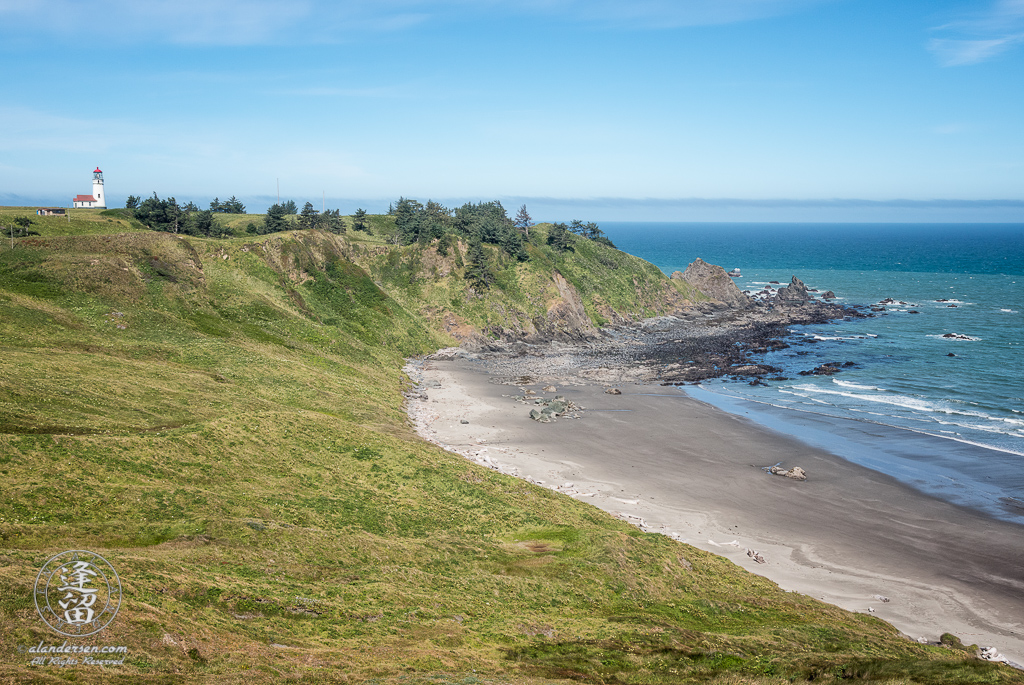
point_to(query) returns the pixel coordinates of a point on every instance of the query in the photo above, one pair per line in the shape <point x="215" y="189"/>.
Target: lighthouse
<point x="97" y="200"/>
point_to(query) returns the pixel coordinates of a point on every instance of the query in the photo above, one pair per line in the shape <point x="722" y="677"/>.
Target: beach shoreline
<point x="671" y="464"/>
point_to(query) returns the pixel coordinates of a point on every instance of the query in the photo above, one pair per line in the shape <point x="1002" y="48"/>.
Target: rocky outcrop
<point x="566" y="317"/>
<point x="714" y="282"/>
<point x="795" y="293"/>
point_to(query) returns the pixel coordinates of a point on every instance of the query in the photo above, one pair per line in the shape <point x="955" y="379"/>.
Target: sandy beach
<point x="651" y="455"/>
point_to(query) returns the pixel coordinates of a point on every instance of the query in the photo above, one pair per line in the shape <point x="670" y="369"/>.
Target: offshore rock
<point x="829" y="369"/>
<point x="794" y="293"/>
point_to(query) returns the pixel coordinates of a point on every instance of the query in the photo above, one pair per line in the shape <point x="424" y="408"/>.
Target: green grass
<point x="229" y="433"/>
<point x="613" y="286"/>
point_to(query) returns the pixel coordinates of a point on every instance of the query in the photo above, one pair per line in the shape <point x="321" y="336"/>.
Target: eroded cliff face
<point x="566" y="315"/>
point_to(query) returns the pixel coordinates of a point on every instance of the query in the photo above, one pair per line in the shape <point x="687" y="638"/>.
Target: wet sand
<point x="657" y="458"/>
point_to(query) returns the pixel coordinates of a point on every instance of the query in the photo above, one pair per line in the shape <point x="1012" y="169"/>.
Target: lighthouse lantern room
<point x="97" y="199"/>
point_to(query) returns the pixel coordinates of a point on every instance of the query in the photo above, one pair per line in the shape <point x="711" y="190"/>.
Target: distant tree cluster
<point x="484" y="222"/>
<point x="167" y="215"/>
<point x="278" y="219"/>
<point x="560" y="234"/>
<point x="230" y="206"/>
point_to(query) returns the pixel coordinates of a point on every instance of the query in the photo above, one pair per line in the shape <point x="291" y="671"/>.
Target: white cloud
<point x="953" y="53"/>
<point x="980" y="37"/>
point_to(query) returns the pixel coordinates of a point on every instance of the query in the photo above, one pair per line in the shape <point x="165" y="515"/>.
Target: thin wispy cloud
<point x="212" y="22"/>
<point x="980" y="37"/>
<point x="335" y="92"/>
<point x="655" y="14"/>
<point x="269" y="22"/>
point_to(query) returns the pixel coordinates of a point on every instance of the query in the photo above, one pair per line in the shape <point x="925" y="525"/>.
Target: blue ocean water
<point x="966" y="392"/>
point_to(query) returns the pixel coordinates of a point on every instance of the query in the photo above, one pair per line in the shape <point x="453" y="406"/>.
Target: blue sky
<point x="817" y="110"/>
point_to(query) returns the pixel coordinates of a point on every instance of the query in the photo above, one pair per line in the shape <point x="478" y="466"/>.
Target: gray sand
<point x="847" y="535"/>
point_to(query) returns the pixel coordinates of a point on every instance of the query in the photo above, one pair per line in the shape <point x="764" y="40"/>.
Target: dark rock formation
<point x="829" y="369"/>
<point x="714" y="282"/>
<point x="793" y="294"/>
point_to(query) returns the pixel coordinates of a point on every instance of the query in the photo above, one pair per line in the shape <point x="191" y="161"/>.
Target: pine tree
<point x="524" y="221"/>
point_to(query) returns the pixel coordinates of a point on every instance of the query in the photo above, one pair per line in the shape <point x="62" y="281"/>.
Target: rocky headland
<point x="723" y="336"/>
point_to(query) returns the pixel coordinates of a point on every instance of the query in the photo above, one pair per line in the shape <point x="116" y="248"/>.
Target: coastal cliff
<point x="223" y="420"/>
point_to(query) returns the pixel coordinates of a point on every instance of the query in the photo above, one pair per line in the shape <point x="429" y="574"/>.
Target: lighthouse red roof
<point x="97" y="171"/>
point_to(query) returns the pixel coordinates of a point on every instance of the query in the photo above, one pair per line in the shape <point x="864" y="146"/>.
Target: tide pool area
<point x="938" y="369"/>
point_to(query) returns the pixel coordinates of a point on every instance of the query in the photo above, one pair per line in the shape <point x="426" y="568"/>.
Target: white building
<point x="97" y="200"/>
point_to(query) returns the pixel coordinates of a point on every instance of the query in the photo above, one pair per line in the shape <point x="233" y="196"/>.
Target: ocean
<point x="934" y="396"/>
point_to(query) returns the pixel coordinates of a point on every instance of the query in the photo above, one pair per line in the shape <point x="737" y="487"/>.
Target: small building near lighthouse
<point x="98" y="198"/>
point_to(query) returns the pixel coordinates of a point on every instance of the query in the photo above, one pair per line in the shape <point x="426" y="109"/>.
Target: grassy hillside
<point x="222" y="420"/>
<point x="551" y="293"/>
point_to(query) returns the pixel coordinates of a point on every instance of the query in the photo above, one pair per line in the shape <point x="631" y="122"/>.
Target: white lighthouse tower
<point x="97" y="199"/>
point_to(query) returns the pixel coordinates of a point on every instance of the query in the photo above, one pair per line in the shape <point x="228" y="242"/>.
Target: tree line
<point x="560" y="234"/>
<point x="477" y="223"/>
<point x="230" y="206"/>
<point x="169" y="215"/>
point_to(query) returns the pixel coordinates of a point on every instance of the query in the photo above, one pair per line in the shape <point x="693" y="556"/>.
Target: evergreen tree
<point x="408" y="215"/>
<point x="308" y="217"/>
<point x="160" y="215"/>
<point x="234" y="206"/>
<point x="198" y="223"/>
<point x="289" y="207"/>
<point x="478" y="271"/>
<point x="359" y="221"/>
<point x="523" y="221"/>
<point x="434" y="219"/>
<point x="559" y="237"/>
<point x="132" y="202"/>
<point x="331" y="220"/>
<point x="274" y="220"/>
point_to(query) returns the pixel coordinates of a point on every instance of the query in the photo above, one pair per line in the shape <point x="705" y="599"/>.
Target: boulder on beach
<point x="612" y="391"/>
<point x="796" y="473"/>
<point x="546" y="411"/>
